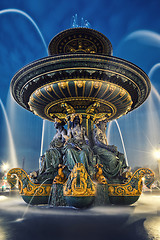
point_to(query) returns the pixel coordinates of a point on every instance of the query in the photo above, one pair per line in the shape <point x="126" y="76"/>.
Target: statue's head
<point x="76" y="119"/>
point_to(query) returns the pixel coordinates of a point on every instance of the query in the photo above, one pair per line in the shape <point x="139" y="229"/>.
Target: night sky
<point x="133" y="27"/>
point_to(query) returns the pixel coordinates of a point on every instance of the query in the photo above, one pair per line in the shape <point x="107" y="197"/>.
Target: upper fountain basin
<point x="113" y="85"/>
<point x="80" y="76"/>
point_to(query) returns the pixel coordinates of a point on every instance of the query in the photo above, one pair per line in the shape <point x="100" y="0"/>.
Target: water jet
<point x="13" y="158"/>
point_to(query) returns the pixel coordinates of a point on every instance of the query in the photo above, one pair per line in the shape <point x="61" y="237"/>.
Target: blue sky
<point x="133" y="28"/>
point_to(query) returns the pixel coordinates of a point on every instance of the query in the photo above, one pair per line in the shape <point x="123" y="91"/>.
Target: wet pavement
<point x="137" y="222"/>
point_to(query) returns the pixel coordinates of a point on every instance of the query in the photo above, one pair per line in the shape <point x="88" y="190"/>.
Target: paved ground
<point x="137" y="222"/>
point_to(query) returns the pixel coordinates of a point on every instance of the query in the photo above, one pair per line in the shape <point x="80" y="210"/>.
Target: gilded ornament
<point x="63" y="85"/>
<point x="133" y="187"/>
<point x="68" y="108"/>
<point x="49" y="88"/>
<point x="26" y="186"/>
<point x="99" y="174"/>
<point x="80" y="84"/>
<point x="96" y="84"/>
<point x="60" y="178"/>
<point x="92" y="108"/>
<point x="79" y="183"/>
<point x="61" y="115"/>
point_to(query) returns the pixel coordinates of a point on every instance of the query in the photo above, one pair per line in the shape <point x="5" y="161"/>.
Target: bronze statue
<point x="113" y="162"/>
<point x="52" y="158"/>
<point x="77" y="149"/>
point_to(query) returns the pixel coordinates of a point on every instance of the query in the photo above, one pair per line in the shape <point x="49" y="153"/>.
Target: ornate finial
<point x="68" y="108"/>
<point x="92" y="108"/>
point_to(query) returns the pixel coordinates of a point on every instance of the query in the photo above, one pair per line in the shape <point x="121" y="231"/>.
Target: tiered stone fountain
<point x="82" y="85"/>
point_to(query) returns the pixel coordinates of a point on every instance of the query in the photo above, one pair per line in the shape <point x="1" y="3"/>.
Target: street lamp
<point x="5" y="167"/>
<point x="157" y="154"/>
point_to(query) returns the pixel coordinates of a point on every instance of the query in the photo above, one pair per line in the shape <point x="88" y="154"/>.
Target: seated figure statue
<point x="77" y="149"/>
<point x="113" y="161"/>
<point x="52" y="157"/>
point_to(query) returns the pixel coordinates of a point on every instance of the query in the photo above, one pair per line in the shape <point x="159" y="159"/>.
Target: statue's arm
<point x="99" y="143"/>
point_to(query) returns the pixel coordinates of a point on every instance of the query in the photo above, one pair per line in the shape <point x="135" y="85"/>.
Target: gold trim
<point x="68" y="108"/>
<point x="59" y="85"/>
<point x="79" y="183"/>
<point x="108" y="85"/>
<point x="129" y="188"/>
<point x="100" y="69"/>
<point x="27" y="187"/>
<point x="100" y="85"/>
<point x="50" y="105"/>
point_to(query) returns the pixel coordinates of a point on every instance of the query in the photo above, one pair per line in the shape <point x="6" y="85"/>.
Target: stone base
<point x="101" y="198"/>
<point x="56" y="197"/>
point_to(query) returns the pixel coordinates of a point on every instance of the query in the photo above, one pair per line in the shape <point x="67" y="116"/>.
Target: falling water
<point x="12" y="148"/>
<point x="156" y="92"/>
<point x="150" y="74"/>
<point x="153" y="115"/>
<point x="155" y="67"/>
<point x="148" y="37"/>
<point x="13" y="10"/>
<point x="120" y="133"/>
<point x="42" y="141"/>
<point x="20" y="219"/>
<point x="109" y="132"/>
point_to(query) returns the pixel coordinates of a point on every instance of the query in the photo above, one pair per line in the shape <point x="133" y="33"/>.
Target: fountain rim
<point x="52" y="57"/>
<point x="47" y="60"/>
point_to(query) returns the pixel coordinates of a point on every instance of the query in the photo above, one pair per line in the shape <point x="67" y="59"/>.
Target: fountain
<point x="81" y="85"/>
